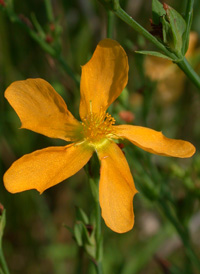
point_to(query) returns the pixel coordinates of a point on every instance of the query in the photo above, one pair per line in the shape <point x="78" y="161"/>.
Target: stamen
<point x="97" y="126"/>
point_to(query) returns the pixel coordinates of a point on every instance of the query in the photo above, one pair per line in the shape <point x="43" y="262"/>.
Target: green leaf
<point x="69" y="228"/>
<point x="81" y="216"/>
<point x="157" y="11"/>
<point x="94" y="188"/>
<point x="99" y="255"/>
<point x="2" y="223"/>
<point x="82" y="236"/>
<point x="78" y="231"/>
<point x="173" y="25"/>
<point x="178" y="27"/>
<point x="154" y="53"/>
<point x="167" y="34"/>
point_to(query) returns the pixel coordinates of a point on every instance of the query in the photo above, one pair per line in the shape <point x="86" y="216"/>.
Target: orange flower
<point x="42" y="110"/>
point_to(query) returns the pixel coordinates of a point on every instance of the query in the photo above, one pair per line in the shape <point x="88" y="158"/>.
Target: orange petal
<point x="41" y="109"/>
<point x="46" y="167"/>
<point x="155" y="142"/>
<point x="103" y="77"/>
<point x="116" y="189"/>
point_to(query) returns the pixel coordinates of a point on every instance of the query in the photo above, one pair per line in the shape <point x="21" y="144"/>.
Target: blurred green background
<point x="36" y="240"/>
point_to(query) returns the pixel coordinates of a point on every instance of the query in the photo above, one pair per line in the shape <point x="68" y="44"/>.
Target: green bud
<point x="85" y="237"/>
<point x="172" y="23"/>
<point x="176" y="28"/>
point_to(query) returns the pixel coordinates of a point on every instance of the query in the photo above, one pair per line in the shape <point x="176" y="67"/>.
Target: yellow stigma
<point x="97" y="127"/>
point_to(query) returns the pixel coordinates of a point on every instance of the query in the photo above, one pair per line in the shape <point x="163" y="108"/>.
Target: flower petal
<point x="103" y="77"/>
<point x="46" y="167"/>
<point x="41" y="109"/>
<point x="116" y="189"/>
<point x="155" y="142"/>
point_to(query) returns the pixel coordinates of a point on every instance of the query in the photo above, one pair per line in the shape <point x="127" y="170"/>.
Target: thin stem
<point x="69" y="71"/>
<point x="98" y="263"/>
<point x="183" y="64"/>
<point x="188" y="20"/>
<point x="44" y="45"/>
<point x="94" y="186"/>
<point x="192" y="75"/>
<point x="3" y="261"/>
<point x="137" y="27"/>
<point x="49" y="10"/>
<point x="182" y="232"/>
<point x="110" y="24"/>
<point x="162" y="199"/>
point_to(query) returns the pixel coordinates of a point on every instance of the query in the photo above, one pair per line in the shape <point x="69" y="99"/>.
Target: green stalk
<point x="94" y="186"/>
<point x="49" y="10"/>
<point x="98" y="263"/>
<point x="110" y="24"/>
<point x="164" y="200"/>
<point x="3" y="264"/>
<point x="43" y="44"/>
<point x="183" y="64"/>
<point x="182" y="233"/>
<point x="188" y="70"/>
<point x="137" y="27"/>
<point x="188" y="20"/>
<point x="69" y="71"/>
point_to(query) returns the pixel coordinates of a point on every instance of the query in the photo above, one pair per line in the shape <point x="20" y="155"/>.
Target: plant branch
<point x="42" y="43"/>
<point x="49" y="10"/>
<point x="98" y="263"/>
<point x="114" y="6"/>
<point x="137" y="27"/>
<point x="110" y="24"/>
<point x="181" y="231"/>
<point x="188" y="70"/>
<point x="3" y="264"/>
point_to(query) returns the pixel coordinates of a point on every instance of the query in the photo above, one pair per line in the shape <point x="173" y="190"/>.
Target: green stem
<point x="137" y="27"/>
<point x="192" y="75"/>
<point x="183" y="64"/>
<point x="49" y="10"/>
<point x="110" y="24"/>
<point x="69" y="71"/>
<point x="98" y="263"/>
<point x="94" y="186"/>
<point x="162" y="199"/>
<point x="3" y="264"/>
<point x="182" y="232"/>
<point x="188" y="20"/>
<point x="43" y="44"/>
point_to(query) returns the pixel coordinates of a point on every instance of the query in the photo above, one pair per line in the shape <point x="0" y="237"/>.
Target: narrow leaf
<point x="157" y="11"/>
<point x="178" y="27"/>
<point x="154" y="53"/>
<point x="81" y="216"/>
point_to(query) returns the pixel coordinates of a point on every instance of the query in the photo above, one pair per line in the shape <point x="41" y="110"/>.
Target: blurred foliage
<point x="36" y="239"/>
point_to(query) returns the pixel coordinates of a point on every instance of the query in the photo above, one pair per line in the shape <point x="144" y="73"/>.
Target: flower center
<point x="97" y="127"/>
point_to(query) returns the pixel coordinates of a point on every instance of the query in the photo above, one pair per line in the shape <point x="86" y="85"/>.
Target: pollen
<point x="97" y="127"/>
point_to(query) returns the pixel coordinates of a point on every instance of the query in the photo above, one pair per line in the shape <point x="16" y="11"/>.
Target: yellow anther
<point x="97" y="126"/>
